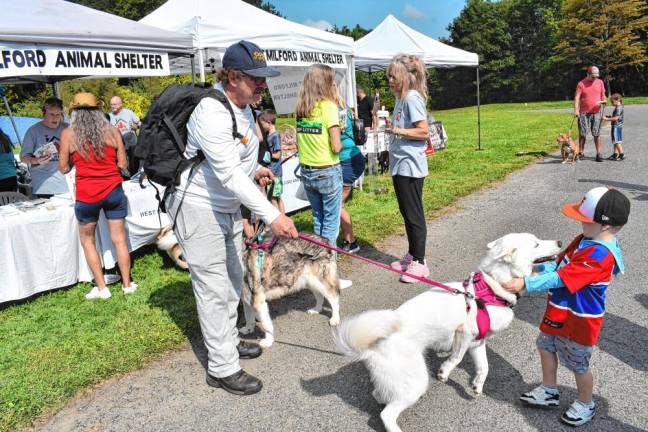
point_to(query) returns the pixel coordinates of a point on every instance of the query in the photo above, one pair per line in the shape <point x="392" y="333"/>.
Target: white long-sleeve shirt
<point x="224" y="180"/>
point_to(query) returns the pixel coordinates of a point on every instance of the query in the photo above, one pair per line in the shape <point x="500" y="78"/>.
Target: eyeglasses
<point x="257" y="80"/>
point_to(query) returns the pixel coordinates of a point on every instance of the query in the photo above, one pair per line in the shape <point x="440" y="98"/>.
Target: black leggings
<point x="9" y="184"/>
<point x="409" y="193"/>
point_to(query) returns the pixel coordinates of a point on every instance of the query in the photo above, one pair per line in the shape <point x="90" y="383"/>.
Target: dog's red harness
<point x="484" y="296"/>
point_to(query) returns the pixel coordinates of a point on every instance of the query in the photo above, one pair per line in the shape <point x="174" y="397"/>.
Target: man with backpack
<point x="205" y="206"/>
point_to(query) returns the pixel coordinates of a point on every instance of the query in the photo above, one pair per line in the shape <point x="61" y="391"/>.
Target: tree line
<point x="529" y="50"/>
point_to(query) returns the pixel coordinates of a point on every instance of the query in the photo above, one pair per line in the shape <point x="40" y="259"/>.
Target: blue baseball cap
<point x="248" y="58"/>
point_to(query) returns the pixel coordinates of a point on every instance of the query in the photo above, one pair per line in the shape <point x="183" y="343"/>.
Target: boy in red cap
<point x="576" y="282"/>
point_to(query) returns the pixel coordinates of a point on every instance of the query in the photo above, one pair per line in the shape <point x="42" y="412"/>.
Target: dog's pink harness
<point x="484" y="296"/>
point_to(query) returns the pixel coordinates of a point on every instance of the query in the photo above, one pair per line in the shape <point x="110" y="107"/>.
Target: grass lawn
<point x="58" y="343"/>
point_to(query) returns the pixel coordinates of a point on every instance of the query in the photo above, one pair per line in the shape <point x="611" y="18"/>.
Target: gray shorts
<point x="572" y="355"/>
<point x="590" y="121"/>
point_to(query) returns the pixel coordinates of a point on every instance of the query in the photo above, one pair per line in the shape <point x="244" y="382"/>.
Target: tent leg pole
<point x="478" y="114"/>
<point x="13" y="122"/>
<point x="193" y="69"/>
<point x="55" y="88"/>
<point x="201" y="60"/>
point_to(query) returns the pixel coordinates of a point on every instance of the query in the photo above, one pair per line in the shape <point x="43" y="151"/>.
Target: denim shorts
<point x="352" y="169"/>
<point x="617" y="134"/>
<point x="115" y="206"/>
<point x="572" y="355"/>
<point x="590" y="121"/>
<point x="324" y="191"/>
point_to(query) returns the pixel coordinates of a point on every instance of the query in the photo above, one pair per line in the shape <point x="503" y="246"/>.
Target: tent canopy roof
<point x="391" y="37"/>
<point x="61" y="23"/>
<point x="219" y="24"/>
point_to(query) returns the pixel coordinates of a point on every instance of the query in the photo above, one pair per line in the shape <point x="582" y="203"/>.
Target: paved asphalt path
<point x="308" y="387"/>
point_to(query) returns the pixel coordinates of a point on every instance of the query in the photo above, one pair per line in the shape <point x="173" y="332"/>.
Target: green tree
<point x="532" y="25"/>
<point x="608" y="34"/>
<point x="356" y="32"/>
<point x="481" y="28"/>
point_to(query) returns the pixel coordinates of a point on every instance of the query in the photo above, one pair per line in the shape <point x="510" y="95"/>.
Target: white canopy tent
<point x="375" y="51"/>
<point x="289" y="46"/>
<point x="51" y="40"/>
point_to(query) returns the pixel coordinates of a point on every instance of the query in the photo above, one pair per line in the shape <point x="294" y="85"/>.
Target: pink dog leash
<point x="386" y="267"/>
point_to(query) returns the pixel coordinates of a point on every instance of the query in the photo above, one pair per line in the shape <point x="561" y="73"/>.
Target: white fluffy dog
<point x="392" y="342"/>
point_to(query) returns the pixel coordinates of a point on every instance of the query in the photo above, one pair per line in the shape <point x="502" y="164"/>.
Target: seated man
<point x="127" y="122"/>
<point x="40" y="151"/>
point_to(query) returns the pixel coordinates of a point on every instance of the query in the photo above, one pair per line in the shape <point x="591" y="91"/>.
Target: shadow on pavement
<point x="638" y="192"/>
<point x="351" y="383"/>
<point x="643" y="299"/>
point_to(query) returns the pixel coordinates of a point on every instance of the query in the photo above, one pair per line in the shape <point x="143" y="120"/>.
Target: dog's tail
<point x="359" y="334"/>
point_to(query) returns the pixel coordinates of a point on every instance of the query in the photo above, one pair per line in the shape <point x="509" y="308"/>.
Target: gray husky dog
<point x="291" y="265"/>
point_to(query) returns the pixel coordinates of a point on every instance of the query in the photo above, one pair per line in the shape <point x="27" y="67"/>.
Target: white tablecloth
<point x="40" y="249"/>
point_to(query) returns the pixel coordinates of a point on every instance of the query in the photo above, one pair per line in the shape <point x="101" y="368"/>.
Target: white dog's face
<point x="513" y="255"/>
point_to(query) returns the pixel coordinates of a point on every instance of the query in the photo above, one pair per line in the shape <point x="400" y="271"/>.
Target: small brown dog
<point x="568" y="148"/>
<point x="167" y="241"/>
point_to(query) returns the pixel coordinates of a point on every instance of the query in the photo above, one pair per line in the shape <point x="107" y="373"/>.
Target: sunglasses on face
<point x="257" y="80"/>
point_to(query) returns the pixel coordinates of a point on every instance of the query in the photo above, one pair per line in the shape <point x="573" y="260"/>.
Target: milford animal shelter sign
<point x="18" y="60"/>
<point x="281" y="57"/>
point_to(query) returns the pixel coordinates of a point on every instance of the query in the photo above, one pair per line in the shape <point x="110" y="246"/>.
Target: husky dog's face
<point x="514" y="254"/>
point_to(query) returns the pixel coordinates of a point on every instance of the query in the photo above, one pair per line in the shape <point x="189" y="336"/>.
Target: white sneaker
<point x="579" y="413"/>
<point x="131" y="289"/>
<point x="539" y="396"/>
<point x="345" y="283"/>
<point x="96" y="293"/>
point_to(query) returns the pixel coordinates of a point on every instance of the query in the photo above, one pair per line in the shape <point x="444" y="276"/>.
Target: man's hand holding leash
<point x="264" y="176"/>
<point x="283" y="226"/>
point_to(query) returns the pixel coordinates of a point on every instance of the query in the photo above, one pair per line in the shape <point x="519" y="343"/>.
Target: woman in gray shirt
<point x="407" y="159"/>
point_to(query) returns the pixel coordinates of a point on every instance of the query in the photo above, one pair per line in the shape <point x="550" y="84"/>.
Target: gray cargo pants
<point x="212" y="246"/>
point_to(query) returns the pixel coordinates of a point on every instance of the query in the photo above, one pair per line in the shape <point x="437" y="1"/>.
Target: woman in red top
<point x="97" y="151"/>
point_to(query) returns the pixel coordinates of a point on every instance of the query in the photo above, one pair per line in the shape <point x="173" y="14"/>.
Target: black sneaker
<point x="614" y="156"/>
<point x="240" y="383"/>
<point x="621" y="157"/>
<point x="599" y="158"/>
<point x="248" y="350"/>
<point x="350" y="247"/>
<point x="541" y="398"/>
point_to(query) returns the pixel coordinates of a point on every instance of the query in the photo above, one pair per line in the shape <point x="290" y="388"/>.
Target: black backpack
<point x="163" y="136"/>
<point x="359" y="132"/>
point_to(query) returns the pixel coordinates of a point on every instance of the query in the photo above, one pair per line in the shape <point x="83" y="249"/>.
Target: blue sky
<point x="429" y="17"/>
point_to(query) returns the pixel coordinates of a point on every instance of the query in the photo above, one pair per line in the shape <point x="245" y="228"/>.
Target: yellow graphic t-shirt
<point x="313" y="135"/>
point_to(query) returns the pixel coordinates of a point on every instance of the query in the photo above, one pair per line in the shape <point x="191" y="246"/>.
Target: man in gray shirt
<point x="40" y="151"/>
<point x="127" y="122"/>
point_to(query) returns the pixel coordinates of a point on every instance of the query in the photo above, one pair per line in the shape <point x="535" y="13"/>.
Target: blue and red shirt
<point x="576" y="310"/>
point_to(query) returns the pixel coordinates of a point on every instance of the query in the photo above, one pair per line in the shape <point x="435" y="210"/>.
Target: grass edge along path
<point x="57" y="344"/>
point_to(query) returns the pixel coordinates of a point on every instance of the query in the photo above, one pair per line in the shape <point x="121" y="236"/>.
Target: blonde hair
<point x="91" y="129"/>
<point x="409" y="73"/>
<point x="318" y="84"/>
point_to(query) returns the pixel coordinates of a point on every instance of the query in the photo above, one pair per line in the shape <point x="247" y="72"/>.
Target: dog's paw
<point x="266" y="342"/>
<point x="334" y="321"/>
<point x="442" y="375"/>
<point x="314" y="311"/>
<point x="477" y="386"/>
<point x="246" y="330"/>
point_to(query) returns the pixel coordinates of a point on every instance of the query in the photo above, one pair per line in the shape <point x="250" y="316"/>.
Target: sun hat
<point x="593" y="70"/>
<point x="602" y="205"/>
<point x="248" y="58"/>
<point x="85" y="100"/>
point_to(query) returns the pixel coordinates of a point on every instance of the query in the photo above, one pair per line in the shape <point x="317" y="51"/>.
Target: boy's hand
<point x="515" y="285"/>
